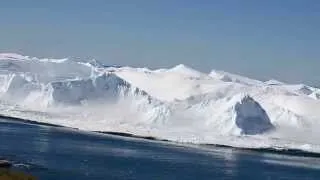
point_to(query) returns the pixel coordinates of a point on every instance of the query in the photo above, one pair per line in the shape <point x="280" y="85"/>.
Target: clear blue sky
<point x="258" y="38"/>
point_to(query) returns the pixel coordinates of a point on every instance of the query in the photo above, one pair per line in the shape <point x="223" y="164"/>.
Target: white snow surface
<point x="178" y="104"/>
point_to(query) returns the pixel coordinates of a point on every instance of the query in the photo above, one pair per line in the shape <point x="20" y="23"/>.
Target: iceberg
<point x="178" y="104"/>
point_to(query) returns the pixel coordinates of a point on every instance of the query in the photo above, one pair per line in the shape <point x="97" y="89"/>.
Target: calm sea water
<point x="57" y="153"/>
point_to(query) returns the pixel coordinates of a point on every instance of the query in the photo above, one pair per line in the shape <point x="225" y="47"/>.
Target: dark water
<point x="56" y="153"/>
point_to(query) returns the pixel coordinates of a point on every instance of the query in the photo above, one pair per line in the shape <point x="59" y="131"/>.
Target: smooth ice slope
<point x="178" y="104"/>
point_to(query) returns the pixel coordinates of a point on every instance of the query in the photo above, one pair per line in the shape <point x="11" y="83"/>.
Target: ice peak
<point x="181" y="66"/>
<point x="183" y="69"/>
<point x="246" y="99"/>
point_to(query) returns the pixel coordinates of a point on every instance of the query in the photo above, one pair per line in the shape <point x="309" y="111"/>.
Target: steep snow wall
<point x="106" y="88"/>
<point x="250" y="117"/>
<point x="16" y="86"/>
<point x="26" y="80"/>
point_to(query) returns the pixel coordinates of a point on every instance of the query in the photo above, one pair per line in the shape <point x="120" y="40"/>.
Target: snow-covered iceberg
<point x="178" y="104"/>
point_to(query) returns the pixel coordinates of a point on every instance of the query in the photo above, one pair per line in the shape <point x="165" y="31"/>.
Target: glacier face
<point x="178" y="104"/>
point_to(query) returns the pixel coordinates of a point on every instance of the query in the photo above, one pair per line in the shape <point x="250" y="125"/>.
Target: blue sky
<point x="256" y="38"/>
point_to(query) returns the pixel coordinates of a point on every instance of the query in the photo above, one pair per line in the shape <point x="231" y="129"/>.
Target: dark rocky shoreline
<point x="7" y="173"/>
<point x="5" y="164"/>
